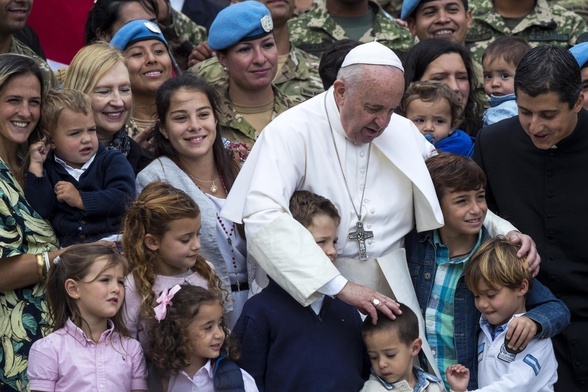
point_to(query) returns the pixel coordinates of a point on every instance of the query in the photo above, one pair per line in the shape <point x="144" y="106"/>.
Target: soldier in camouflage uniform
<point x="392" y="7"/>
<point x="298" y="77"/>
<point x="182" y="35"/>
<point x="315" y="30"/>
<point x="233" y="126"/>
<point x="580" y="7"/>
<point x="544" y="25"/>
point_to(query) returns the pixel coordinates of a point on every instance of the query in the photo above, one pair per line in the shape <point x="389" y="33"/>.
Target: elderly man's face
<point x="365" y="107"/>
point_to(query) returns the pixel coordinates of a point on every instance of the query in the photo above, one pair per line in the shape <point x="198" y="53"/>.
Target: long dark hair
<point x="105" y="13"/>
<point x="225" y="164"/>
<point x="417" y="61"/>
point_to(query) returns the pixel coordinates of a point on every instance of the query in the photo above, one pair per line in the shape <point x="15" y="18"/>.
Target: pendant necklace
<point x="213" y="188"/>
<point x="359" y="235"/>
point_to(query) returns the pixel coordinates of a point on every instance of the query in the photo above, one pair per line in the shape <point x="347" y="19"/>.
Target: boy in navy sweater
<point x="72" y="180"/>
<point x="288" y="347"/>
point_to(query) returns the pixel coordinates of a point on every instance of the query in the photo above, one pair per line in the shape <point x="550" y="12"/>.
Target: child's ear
<point x="524" y="287"/>
<point x="416" y="347"/>
<point x="151" y="242"/>
<point x="72" y="289"/>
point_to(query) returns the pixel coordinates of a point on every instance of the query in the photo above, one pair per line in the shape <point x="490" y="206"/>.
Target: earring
<point x="224" y="68"/>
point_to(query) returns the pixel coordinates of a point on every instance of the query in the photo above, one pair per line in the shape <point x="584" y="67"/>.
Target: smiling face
<point x="441" y="19"/>
<point x="100" y="294"/>
<point x="190" y="125"/>
<point x="463" y="212"/>
<point x="177" y="249"/>
<point x="20" y="109"/>
<point x="450" y="70"/>
<point x="251" y="64"/>
<point x="392" y="360"/>
<point x="149" y="66"/>
<point x="431" y="118"/>
<point x="206" y="334"/>
<point x="132" y="10"/>
<point x="499" y="305"/>
<point x="546" y="119"/>
<point x="366" y="105"/>
<point x="14" y="15"/>
<point x="112" y="101"/>
<point x="498" y="76"/>
<point x="74" y="139"/>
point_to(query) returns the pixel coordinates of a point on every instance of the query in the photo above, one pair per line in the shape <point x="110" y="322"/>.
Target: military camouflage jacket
<point x="298" y="79"/>
<point x="49" y="80"/>
<point x="315" y="30"/>
<point x="545" y="25"/>
<point x="580" y="7"/>
<point x="233" y="125"/>
<point x="182" y="36"/>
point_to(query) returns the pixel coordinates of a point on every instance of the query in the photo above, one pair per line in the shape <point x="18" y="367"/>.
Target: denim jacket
<point x="543" y="307"/>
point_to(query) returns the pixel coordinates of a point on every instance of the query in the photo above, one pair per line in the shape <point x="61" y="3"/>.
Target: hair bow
<point x="165" y="299"/>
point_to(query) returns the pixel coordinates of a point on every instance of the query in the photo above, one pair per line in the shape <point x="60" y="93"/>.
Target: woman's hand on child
<point x="369" y="301"/>
<point x="67" y="192"/>
<point x="528" y="249"/>
<point x="520" y="332"/>
<point x="458" y="377"/>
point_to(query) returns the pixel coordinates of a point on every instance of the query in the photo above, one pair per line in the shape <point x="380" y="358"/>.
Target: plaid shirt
<point x="439" y="326"/>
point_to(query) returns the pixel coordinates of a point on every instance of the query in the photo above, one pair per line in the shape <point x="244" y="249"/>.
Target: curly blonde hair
<point x="156" y="207"/>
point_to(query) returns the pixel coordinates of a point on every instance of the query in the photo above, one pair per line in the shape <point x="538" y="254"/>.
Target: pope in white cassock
<point x="347" y="145"/>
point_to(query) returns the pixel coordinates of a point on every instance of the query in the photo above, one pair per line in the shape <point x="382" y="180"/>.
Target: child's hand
<point x="37" y="156"/>
<point x="458" y="377"/>
<point x="66" y="192"/>
<point x="520" y="332"/>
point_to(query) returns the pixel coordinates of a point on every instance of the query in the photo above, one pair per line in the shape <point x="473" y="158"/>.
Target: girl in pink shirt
<point x="188" y="345"/>
<point x="89" y="348"/>
<point x="161" y="239"/>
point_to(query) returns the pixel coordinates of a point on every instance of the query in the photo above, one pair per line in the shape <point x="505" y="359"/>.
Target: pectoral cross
<point x="360" y="235"/>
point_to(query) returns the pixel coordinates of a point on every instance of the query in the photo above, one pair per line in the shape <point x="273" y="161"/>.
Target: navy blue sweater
<point x="106" y="189"/>
<point x="287" y="347"/>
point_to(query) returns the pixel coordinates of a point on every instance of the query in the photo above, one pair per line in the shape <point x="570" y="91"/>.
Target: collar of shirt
<point x="75" y="173"/>
<point x="443" y="251"/>
<point x="494" y="331"/>
<point x="78" y="334"/>
<point x="423" y="379"/>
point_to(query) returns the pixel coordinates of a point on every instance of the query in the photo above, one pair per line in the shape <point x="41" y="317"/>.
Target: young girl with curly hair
<point x="161" y="239"/>
<point x="188" y="347"/>
<point x="89" y="348"/>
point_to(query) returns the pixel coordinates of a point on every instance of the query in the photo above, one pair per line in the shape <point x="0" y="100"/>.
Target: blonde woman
<point x="100" y="71"/>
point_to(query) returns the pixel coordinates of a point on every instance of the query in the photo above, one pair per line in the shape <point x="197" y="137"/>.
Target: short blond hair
<point x="496" y="264"/>
<point x="90" y="64"/>
<point x="58" y="99"/>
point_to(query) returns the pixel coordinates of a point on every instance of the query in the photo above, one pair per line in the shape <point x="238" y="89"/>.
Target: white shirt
<point x="533" y="370"/>
<point x="203" y="382"/>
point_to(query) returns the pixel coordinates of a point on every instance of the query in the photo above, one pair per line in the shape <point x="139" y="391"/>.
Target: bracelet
<point x="47" y="263"/>
<point x="40" y="266"/>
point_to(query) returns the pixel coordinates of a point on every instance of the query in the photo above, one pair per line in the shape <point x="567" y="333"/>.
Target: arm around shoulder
<point x="548" y="311"/>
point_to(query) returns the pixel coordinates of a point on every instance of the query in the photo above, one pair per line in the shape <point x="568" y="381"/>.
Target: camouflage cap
<point x="238" y="22"/>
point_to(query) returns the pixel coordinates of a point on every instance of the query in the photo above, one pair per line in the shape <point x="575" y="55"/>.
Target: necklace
<point x="359" y="235"/>
<point x="213" y="187"/>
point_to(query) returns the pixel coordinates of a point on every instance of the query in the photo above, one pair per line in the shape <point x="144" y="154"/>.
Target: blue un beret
<point x="135" y="31"/>
<point x="580" y="52"/>
<point x="409" y="6"/>
<point x="238" y="22"/>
